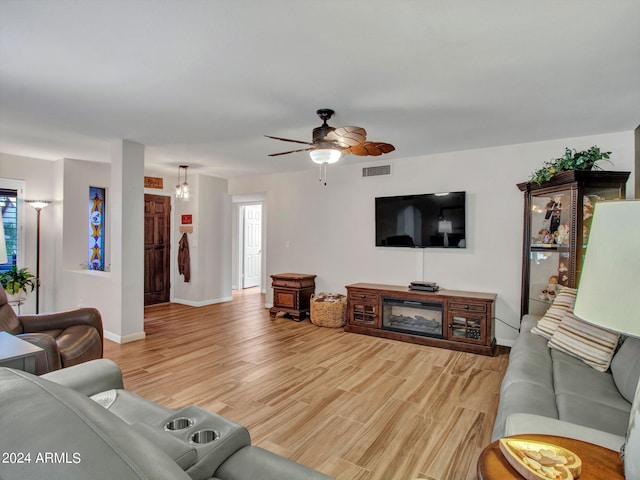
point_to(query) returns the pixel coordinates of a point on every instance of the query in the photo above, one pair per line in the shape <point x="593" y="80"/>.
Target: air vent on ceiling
<point x="375" y="171"/>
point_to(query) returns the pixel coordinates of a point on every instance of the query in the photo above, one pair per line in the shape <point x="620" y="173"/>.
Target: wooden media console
<point x="447" y="318"/>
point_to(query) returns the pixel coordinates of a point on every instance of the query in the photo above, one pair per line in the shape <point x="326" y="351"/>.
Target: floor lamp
<point x="38" y="205"/>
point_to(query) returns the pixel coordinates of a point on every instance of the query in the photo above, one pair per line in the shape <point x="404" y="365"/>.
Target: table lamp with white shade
<point x="609" y="292"/>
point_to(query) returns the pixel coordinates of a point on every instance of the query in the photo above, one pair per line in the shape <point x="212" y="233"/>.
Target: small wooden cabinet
<point x="467" y="322"/>
<point x="465" y="319"/>
<point x="363" y="308"/>
<point x="292" y="294"/>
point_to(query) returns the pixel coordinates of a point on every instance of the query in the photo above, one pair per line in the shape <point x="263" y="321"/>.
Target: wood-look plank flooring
<point x="352" y="406"/>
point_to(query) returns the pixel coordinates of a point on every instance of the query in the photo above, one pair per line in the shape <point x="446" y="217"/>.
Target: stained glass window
<point x="9" y="210"/>
<point x="97" y="202"/>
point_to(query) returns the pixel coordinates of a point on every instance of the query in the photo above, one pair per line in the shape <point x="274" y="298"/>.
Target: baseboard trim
<point x="133" y="337"/>
<point x="505" y="342"/>
<point x="202" y="303"/>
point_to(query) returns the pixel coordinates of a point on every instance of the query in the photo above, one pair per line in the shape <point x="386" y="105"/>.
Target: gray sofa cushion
<point x="591" y="413"/>
<point x="625" y="368"/>
<point x="529" y="362"/>
<point x="572" y="376"/>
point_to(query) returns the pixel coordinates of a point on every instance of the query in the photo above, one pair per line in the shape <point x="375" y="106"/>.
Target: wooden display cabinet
<point x="465" y="319"/>
<point x="557" y="220"/>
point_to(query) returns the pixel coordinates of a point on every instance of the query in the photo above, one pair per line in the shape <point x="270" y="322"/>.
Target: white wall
<point x="329" y="231"/>
<point x="77" y="286"/>
<point x="78" y="176"/>
<point x="209" y="244"/>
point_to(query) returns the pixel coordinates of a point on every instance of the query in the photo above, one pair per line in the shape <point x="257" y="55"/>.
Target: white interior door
<point x="252" y="219"/>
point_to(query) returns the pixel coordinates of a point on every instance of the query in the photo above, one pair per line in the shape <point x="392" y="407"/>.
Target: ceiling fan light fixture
<point x="325" y="156"/>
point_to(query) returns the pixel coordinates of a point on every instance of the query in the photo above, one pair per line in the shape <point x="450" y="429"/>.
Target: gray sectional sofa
<point x="547" y="391"/>
<point x="79" y="423"/>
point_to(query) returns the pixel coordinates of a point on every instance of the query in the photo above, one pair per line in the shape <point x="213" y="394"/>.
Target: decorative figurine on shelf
<point x="563" y="235"/>
<point x="563" y="273"/>
<point x="544" y="236"/>
<point x="549" y="294"/>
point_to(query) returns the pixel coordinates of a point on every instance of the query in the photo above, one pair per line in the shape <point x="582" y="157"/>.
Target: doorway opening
<point x="157" y="249"/>
<point x="251" y="245"/>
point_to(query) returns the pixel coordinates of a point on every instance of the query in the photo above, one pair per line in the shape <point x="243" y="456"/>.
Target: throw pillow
<point x="593" y="345"/>
<point x="562" y="305"/>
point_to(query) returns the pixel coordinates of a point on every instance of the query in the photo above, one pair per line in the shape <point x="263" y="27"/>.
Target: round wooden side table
<point x="597" y="462"/>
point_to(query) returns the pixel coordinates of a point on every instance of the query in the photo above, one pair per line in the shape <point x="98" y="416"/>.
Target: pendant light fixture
<point x="183" y="190"/>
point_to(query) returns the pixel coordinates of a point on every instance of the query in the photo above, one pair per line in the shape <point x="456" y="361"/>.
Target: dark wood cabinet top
<point x="442" y="293"/>
<point x="292" y="276"/>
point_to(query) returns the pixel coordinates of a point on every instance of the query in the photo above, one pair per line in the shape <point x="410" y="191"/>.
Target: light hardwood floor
<point x="349" y="405"/>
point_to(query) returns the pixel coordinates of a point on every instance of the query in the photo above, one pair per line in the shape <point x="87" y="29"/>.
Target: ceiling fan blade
<point x="289" y="140"/>
<point x="291" y="151"/>
<point x="372" y="148"/>
<point x="347" y="136"/>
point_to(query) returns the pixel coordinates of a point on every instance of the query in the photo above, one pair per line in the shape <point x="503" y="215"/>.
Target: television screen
<point x="421" y="221"/>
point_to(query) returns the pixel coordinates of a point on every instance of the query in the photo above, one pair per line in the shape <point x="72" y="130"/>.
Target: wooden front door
<point x="157" y="248"/>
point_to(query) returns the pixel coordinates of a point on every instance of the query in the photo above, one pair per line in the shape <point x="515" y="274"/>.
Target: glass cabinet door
<point x="551" y="226"/>
<point x="591" y="196"/>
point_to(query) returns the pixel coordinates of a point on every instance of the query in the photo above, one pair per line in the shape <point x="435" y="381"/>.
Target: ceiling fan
<point x="330" y="143"/>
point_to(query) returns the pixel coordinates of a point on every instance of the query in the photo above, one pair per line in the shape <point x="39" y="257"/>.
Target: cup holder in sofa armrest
<point x="184" y="454"/>
<point x="213" y="437"/>
<point x="179" y="423"/>
<point x="204" y="436"/>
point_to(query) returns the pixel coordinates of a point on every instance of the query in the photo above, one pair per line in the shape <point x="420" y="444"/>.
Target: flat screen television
<point x="422" y="221"/>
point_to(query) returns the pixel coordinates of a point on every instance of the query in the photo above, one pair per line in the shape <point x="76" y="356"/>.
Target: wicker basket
<point x="329" y="310"/>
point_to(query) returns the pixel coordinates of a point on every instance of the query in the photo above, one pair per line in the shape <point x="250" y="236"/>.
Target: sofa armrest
<point x="528" y="322"/>
<point x="90" y="377"/>
<point x="49" y="359"/>
<point x="61" y="320"/>
<point x="519" y="423"/>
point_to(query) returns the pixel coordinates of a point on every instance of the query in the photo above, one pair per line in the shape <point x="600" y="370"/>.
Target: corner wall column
<point x="127" y="236"/>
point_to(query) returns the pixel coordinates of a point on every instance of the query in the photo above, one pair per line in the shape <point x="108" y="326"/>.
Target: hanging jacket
<point x="184" y="261"/>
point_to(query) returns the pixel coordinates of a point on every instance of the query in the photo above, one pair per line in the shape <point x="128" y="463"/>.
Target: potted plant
<point x="18" y="280"/>
<point x="572" y="160"/>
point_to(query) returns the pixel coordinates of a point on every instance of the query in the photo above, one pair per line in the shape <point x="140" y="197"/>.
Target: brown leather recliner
<point x="67" y="338"/>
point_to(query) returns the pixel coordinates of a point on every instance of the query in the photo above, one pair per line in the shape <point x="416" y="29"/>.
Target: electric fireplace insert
<point x="414" y="317"/>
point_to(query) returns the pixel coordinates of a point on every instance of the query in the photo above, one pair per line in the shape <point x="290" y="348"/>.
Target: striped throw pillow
<point x="593" y="345"/>
<point x="562" y="304"/>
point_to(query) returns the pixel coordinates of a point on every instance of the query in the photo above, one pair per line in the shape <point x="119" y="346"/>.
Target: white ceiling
<point x="200" y="82"/>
